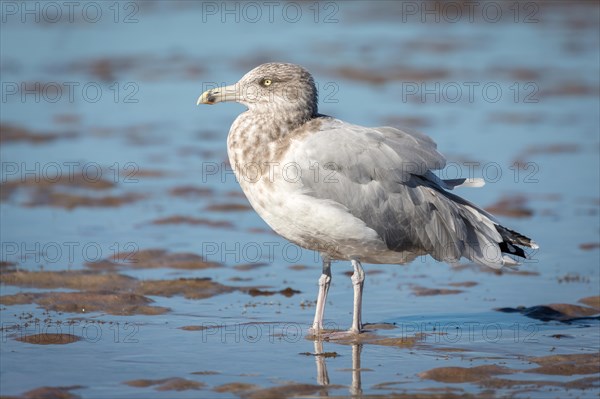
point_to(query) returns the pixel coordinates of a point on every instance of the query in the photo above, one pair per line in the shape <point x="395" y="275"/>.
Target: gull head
<point x="272" y="87"/>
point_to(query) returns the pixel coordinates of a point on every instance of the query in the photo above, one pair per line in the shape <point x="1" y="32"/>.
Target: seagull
<point x="353" y="193"/>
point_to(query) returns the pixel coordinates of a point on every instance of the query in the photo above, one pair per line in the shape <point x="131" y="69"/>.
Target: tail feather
<point x="460" y="228"/>
<point x="451" y="184"/>
<point x="513" y="237"/>
<point x="464" y="182"/>
<point x="510" y="245"/>
<point x="488" y="233"/>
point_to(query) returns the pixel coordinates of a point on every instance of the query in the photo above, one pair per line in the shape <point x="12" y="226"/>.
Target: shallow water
<point x="110" y="107"/>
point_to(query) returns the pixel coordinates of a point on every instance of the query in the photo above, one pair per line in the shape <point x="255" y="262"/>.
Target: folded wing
<point x="383" y="177"/>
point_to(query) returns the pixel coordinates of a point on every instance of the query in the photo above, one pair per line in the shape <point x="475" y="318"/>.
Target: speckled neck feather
<point x="277" y="113"/>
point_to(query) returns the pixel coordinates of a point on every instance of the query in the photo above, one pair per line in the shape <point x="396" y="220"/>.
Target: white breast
<point x="279" y="197"/>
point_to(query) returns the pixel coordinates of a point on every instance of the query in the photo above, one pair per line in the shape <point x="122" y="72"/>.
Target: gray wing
<point x="383" y="177"/>
<point x="364" y="154"/>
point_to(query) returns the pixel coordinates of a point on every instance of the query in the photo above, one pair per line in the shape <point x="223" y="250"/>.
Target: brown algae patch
<point x="393" y="74"/>
<point x="593" y="301"/>
<point x="515" y="206"/>
<point x="561" y="336"/>
<point x="250" y="266"/>
<point x="49" y="339"/>
<point x="49" y="393"/>
<point x="134" y="174"/>
<point x="18" y="299"/>
<point x="463" y="284"/>
<point x="179" y="384"/>
<point x="574" y="310"/>
<point x="39" y="188"/>
<point x="75" y="180"/>
<point x="50" y="191"/>
<point x="379" y="326"/>
<point x="228" y="208"/>
<point x="485" y="375"/>
<point x="401" y="342"/>
<point x="298" y="267"/>
<point x="116" y="304"/>
<point x="190" y="288"/>
<point x="424" y="291"/>
<point x="7" y="266"/>
<point x="345" y="338"/>
<point x="533" y="385"/>
<point x="167" y="384"/>
<point x="588" y="246"/>
<point x="285" y="391"/>
<point x="72" y="201"/>
<point x="153" y="258"/>
<point x="258" y="230"/>
<point x="191" y="192"/>
<point x="236" y="387"/>
<point x="581" y="363"/>
<point x="76" y="279"/>
<point x="178" y="219"/>
<point x="286" y="292"/>
<point x="11" y="133"/>
<point x="139" y="66"/>
<point x="120" y="304"/>
<point x="570" y="89"/>
<point x="107" y="292"/>
<point x="463" y="374"/>
<point x="428" y="393"/>
<point x="196" y="328"/>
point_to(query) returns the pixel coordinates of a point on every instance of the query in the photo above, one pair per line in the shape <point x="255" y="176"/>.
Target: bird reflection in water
<point x="323" y="375"/>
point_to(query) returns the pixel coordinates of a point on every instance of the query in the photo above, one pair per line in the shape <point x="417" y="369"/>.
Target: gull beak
<point x="218" y="94"/>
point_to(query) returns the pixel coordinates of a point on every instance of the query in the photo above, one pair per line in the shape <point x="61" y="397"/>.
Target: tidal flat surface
<point x="133" y="267"/>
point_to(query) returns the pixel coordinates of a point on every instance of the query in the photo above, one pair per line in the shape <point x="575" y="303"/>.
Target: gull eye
<point x="266" y="82"/>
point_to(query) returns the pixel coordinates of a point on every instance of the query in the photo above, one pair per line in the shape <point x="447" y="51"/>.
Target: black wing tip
<point x="512" y="239"/>
<point x="508" y="248"/>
